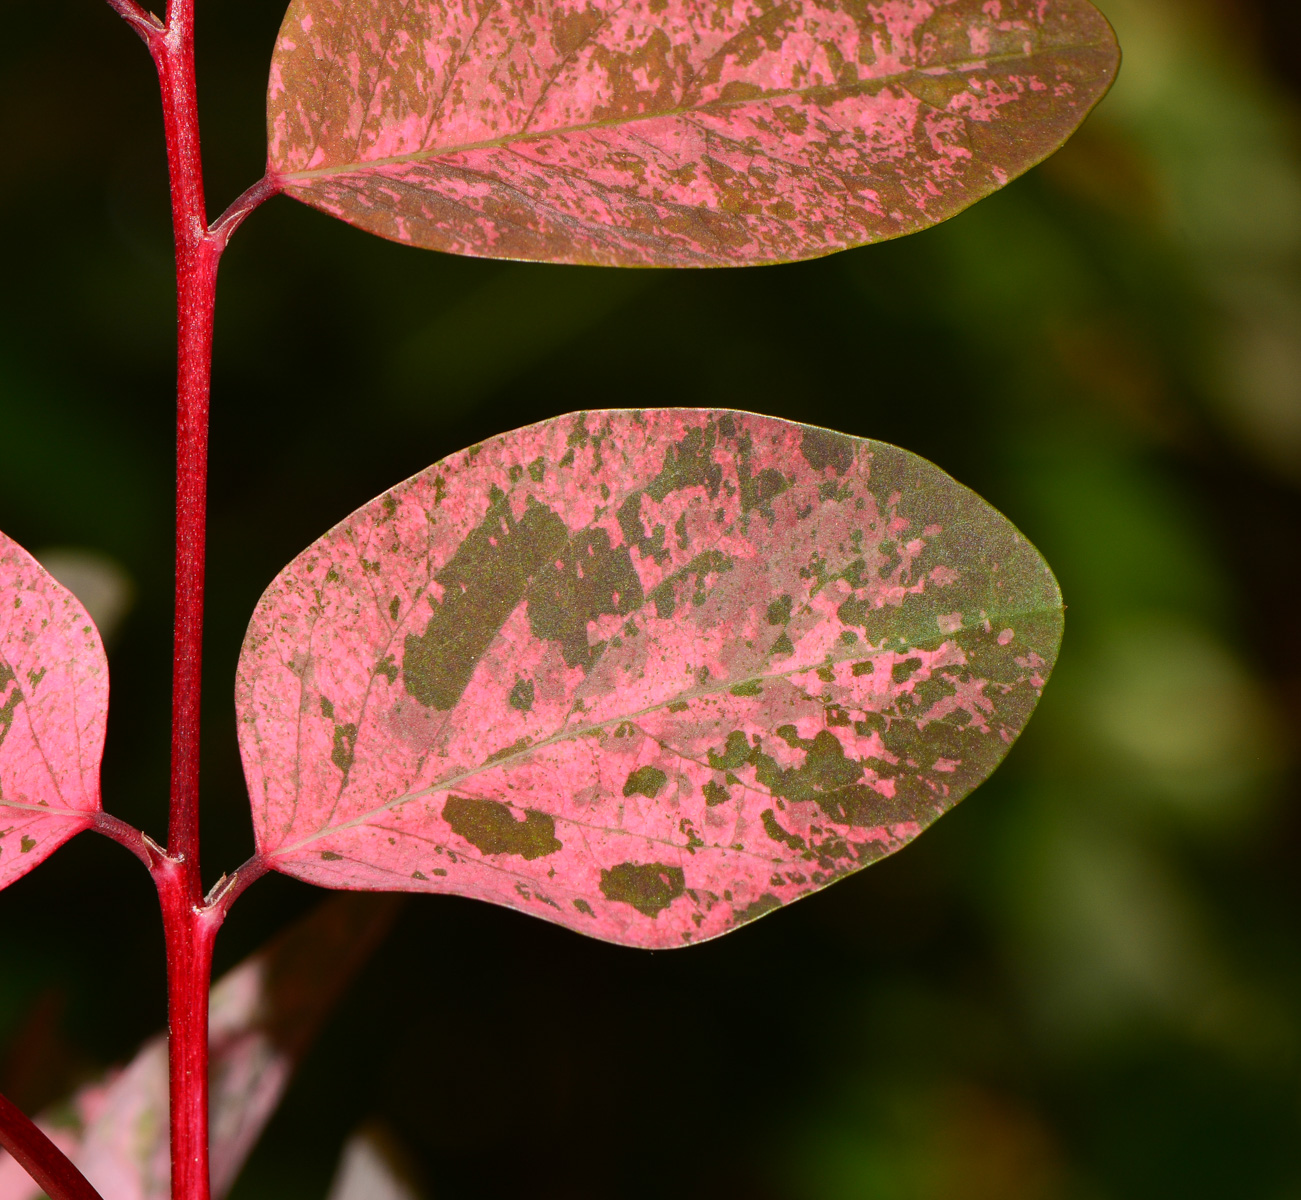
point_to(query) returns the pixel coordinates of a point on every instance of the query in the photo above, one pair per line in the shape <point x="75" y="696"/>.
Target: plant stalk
<point x="197" y="256"/>
<point x="189" y="931"/>
<point x="190" y="923"/>
<point x="41" y="1158"/>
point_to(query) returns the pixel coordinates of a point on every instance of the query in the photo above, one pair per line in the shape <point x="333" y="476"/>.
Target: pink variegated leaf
<point x="53" y="709"/>
<point x="671" y="132"/>
<point x="646" y="674"/>
<point x="264" y="1014"/>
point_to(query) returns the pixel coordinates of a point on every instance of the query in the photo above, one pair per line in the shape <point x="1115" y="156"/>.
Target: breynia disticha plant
<point x="646" y="674"/>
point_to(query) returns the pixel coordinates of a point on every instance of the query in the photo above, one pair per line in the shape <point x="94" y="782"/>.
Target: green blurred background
<point x="1085" y="982"/>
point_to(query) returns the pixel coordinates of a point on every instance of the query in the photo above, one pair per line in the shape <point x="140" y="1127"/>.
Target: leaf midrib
<point x="873" y="85"/>
<point x="49" y="810"/>
<point x="564" y="735"/>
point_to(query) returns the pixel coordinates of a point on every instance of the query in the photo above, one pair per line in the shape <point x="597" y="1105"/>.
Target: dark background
<point x="1085" y="982"/>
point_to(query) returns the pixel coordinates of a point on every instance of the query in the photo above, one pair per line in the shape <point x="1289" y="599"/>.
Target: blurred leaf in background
<point x="1085" y="983"/>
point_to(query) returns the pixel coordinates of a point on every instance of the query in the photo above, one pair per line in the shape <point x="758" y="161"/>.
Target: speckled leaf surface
<point x="264" y="1013"/>
<point x="53" y="708"/>
<point x="646" y="674"/>
<point x="671" y="132"/>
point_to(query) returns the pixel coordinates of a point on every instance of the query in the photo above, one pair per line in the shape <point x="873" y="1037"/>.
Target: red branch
<point x="148" y="26"/>
<point x="189" y="938"/>
<point x="41" y="1158"/>
<point x="229" y="221"/>
<point x="197" y="255"/>
<point x="189" y="924"/>
<point x="230" y="888"/>
<point x="140" y="844"/>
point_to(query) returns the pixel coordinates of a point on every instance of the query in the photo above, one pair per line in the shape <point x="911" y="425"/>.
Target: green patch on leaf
<point x="757" y="491"/>
<point x="823" y="448"/>
<point x="9" y="707"/>
<point x="665" y="596"/>
<point x="715" y="793"/>
<point x="688" y="463"/>
<point x="778" y="834"/>
<point x="27" y="844"/>
<point x="485" y="580"/>
<point x="875" y="623"/>
<point x="648" y="887"/>
<point x="735" y="754"/>
<point x="493" y="828"/>
<point x="765" y="904"/>
<point x="827" y="778"/>
<point x="751" y="687"/>
<point x="645" y="781"/>
<point x="779" y="611"/>
<point x="566" y="583"/>
<point x="518" y="746"/>
<point x="903" y="670"/>
<point x="521" y="695"/>
<point x="688" y="830"/>
<point x="345" y="744"/>
<point x="587" y="579"/>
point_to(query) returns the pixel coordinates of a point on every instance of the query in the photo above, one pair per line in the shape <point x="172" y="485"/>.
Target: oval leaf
<point x="53" y="708"/>
<point x="671" y="132"/>
<point x="646" y="674"/>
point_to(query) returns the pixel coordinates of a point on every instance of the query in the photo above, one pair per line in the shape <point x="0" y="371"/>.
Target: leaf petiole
<point x="41" y="1158"/>
<point x="229" y="888"/>
<point x="225" y="225"/>
<point x="140" y="844"/>
<point x="148" y="26"/>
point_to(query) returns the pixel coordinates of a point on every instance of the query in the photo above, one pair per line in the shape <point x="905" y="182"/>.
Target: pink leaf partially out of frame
<point x="671" y="132"/>
<point x="53" y="708"/>
<point x="264" y="1014"/>
<point x="649" y="675"/>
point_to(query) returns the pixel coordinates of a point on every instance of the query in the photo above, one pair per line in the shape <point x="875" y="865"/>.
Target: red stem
<point x="197" y="255"/>
<point x="189" y="925"/>
<point x="190" y="922"/>
<point x="41" y="1158"/>
<point x="188" y="933"/>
